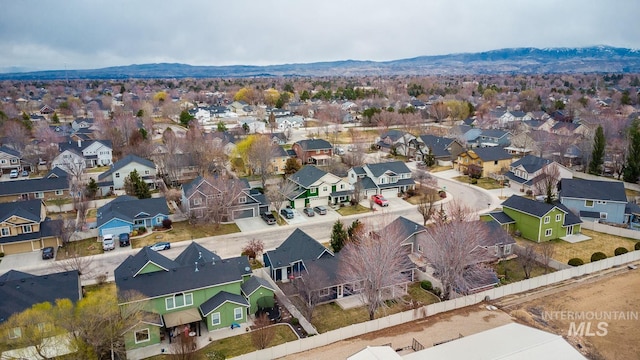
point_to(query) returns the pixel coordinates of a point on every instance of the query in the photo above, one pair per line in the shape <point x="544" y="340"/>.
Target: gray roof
<point x="29" y="209"/>
<point x="403" y="228"/>
<point x="359" y="170"/>
<point x="379" y="169"/>
<point x="125" y="161"/>
<point x="308" y="175"/>
<point x="494" y="133"/>
<point x="196" y="253"/>
<point x="314" y="144"/>
<point x="220" y="298"/>
<point x="496" y="235"/>
<point x="393" y="134"/>
<point x="593" y="190"/>
<point x="129" y="208"/>
<point x="9" y="151"/>
<point x="19" y="291"/>
<point x="48" y="228"/>
<point x="298" y="246"/>
<point x="501" y="217"/>
<point x="491" y="153"/>
<point x="531" y="163"/>
<point x="56" y="179"/>
<point x="540" y="208"/>
<point x="253" y="284"/>
<point x="73" y="145"/>
<point x="437" y="144"/>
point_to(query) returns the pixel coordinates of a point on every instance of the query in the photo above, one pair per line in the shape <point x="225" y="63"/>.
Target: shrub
<point x="621" y="250"/>
<point x="166" y="223"/>
<point x="529" y="193"/>
<point x="426" y="284"/>
<point x="575" y="262"/>
<point x="474" y="181"/>
<point x="411" y="192"/>
<point x="436" y="291"/>
<point x="101" y="279"/>
<point x="295" y="321"/>
<point x="442" y="193"/>
<point x="636" y="247"/>
<point x="596" y="256"/>
<point x="2" y="254"/>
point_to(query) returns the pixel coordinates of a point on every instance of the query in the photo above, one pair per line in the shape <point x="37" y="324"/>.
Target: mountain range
<point x="595" y="59"/>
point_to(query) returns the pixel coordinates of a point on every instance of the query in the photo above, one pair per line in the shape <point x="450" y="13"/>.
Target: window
<point x="313" y="190"/>
<point x="142" y="335"/>
<point x="26" y="229"/>
<point x="197" y="201"/>
<point x="215" y="319"/>
<point x="5" y="231"/>
<point x="159" y="219"/>
<point x="59" y="192"/>
<point x="146" y="172"/>
<point x="324" y="292"/>
<point x="15" y="333"/>
<point x="419" y="248"/>
<point x="495" y="162"/>
<point x="603" y="215"/>
<point x="507" y="249"/>
<point x="547" y="219"/>
<point x="242" y="199"/>
<point x="3" y="161"/>
<point x="324" y="188"/>
<point x="237" y="313"/>
<point x="39" y="195"/>
<point x="588" y="203"/>
<point x="117" y="175"/>
<point x="558" y="217"/>
<point x="548" y="232"/>
<point x="341" y="186"/>
<point x="178" y="301"/>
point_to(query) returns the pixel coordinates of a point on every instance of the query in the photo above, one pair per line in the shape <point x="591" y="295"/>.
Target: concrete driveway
<point x="252" y="224"/>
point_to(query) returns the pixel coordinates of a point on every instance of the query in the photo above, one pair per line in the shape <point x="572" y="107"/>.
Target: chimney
<point x="79" y="143"/>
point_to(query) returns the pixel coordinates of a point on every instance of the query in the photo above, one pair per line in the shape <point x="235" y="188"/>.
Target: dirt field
<point x="613" y="296"/>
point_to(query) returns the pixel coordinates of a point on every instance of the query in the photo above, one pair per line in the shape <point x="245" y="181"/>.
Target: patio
<point x="575" y="238"/>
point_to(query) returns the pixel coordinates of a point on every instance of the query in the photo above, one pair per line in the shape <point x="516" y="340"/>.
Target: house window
<point x="419" y="248"/>
<point x="324" y="189"/>
<point x="558" y="217"/>
<point x="39" y="195"/>
<point x="324" y="292"/>
<point x="178" y="301"/>
<point x="159" y="219"/>
<point x="313" y="190"/>
<point x="237" y="313"/>
<point x="59" y="192"/>
<point x="547" y="219"/>
<point x="5" y="231"/>
<point x="215" y="318"/>
<point x="588" y="203"/>
<point x="603" y="215"/>
<point x="26" y="229"/>
<point x="495" y="162"/>
<point x="242" y="199"/>
<point x="341" y="186"/>
<point x="15" y="333"/>
<point x="3" y="161"/>
<point x="197" y="201"/>
<point x="382" y="180"/>
<point x="142" y="335"/>
<point x="117" y="175"/>
<point x="548" y="232"/>
<point x="146" y="172"/>
<point x="507" y="249"/>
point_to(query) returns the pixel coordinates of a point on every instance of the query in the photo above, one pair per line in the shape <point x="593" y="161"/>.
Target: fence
<point x="350" y="331"/>
<point x="613" y="230"/>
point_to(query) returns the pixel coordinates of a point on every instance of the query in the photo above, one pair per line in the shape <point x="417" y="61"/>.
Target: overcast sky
<point x="86" y="34"/>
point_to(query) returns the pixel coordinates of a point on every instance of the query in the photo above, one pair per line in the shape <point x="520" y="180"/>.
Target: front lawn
<point x="485" y="183"/>
<point x="510" y="271"/>
<point x="184" y="231"/>
<point x="352" y="210"/>
<point x="85" y="247"/>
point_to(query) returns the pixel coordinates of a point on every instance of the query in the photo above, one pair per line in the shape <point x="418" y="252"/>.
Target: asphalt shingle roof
<point x="196" y="253"/>
<point x="379" y="169"/>
<point x="125" y="161"/>
<point x="253" y="284"/>
<point x="308" y="175"/>
<point x="59" y="181"/>
<point x="298" y="246"/>
<point x="402" y="228"/>
<point x="593" y="189"/>
<point x="501" y="217"/>
<point x="128" y="207"/>
<point x="531" y="163"/>
<point x="540" y="208"/>
<point x="220" y="298"/>
<point x="491" y="153"/>
<point x="314" y="144"/>
<point x="28" y="209"/>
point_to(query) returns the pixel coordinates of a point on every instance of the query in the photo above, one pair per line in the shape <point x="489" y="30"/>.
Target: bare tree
<point x="547" y="182"/>
<point x="222" y="196"/>
<point x="527" y="259"/>
<point x="308" y="287"/>
<point x="263" y="332"/>
<point x="16" y="135"/>
<point x="425" y="205"/>
<point x="260" y="154"/>
<point x="546" y="250"/>
<point x="358" y="191"/>
<point x="378" y="264"/>
<point x="183" y="347"/>
<point x="253" y="249"/>
<point x="279" y="193"/>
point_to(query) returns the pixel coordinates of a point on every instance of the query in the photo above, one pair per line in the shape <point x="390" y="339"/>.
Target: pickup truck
<point x="268" y="218"/>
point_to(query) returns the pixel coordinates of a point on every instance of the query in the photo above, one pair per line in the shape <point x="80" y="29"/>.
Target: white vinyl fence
<point x="329" y="337"/>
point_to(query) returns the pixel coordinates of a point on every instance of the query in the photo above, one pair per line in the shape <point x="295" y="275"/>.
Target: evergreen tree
<point x="135" y="186"/>
<point x="221" y="127"/>
<point x="597" y="156"/>
<point x="338" y="236"/>
<point x="631" y="170"/>
<point x="91" y="189"/>
<point x="185" y="118"/>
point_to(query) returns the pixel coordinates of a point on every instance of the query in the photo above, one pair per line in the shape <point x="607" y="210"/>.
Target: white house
<point x="389" y="178"/>
<point x="120" y="170"/>
<point x="93" y="153"/>
<point x="286" y="122"/>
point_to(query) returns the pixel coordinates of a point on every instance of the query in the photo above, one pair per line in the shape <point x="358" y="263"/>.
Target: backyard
<point x="510" y="271"/>
<point x="183" y="230"/>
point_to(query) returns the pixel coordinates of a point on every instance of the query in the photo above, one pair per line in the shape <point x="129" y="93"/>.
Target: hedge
<point x="598" y="256"/>
<point x="575" y="262"/>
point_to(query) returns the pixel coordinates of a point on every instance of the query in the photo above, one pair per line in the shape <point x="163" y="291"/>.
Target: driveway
<point x="252" y="224"/>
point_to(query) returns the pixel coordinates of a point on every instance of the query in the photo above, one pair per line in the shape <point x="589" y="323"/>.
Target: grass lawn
<point x="184" y="231"/>
<point x="631" y="194"/>
<point x="98" y="169"/>
<point x="510" y="271"/>
<point x="327" y="317"/>
<point x="485" y="183"/>
<point x="352" y="210"/>
<point x="91" y="213"/>
<point x="437" y="168"/>
<point x="85" y="247"/>
<point x="563" y="251"/>
<point x="238" y="345"/>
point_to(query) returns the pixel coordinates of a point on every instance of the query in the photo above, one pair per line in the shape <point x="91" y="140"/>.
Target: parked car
<point x="48" y="253"/>
<point x="108" y="243"/>
<point x="287" y="213"/>
<point x="320" y="210"/>
<point x="13" y="173"/>
<point x="308" y="211"/>
<point x="268" y="217"/>
<point x="162" y="245"/>
<point x="25" y="173"/>
<point x="380" y="200"/>
<point x="123" y="239"/>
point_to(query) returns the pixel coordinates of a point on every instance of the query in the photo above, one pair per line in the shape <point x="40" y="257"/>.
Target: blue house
<point x="126" y="213"/>
<point x="594" y="199"/>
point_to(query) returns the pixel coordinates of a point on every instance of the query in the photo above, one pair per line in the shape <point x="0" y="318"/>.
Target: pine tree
<point x="135" y="186"/>
<point x="631" y="170"/>
<point x="338" y="236"/>
<point x="597" y="156"/>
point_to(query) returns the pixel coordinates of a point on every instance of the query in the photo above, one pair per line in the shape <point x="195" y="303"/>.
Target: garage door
<point x="371" y="192"/>
<point x="115" y="231"/>
<point x="51" y="242"/>
<point x="243" y="214"/>
<point x="390" y="192"/>
<point x="318" y="202"/>
<point x="299" y="203"/>
<point x="17" y="248"/>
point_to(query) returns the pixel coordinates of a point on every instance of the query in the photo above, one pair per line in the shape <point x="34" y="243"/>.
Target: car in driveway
<point x="287" y="213"/>
<point x="13" y="174"/>
<point x="25" y="173"/>
<point x="48" y="253"/>
<point x="309" y="211"/>
<point x="380" y="200"/>
<point x="123" y="239"/>
<point x="108" y="243"/>
<point x="268" y="217"/>
<point x="162" y="245"/>
<point x="321" y="210"/>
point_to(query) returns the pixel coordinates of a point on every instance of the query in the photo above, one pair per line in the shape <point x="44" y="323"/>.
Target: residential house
<point x="82" y="123"/>
<point x="497" y="243"/>
<point x="24" y="227"/>
<point x="126" y="213"/>
<point x="388" y="178"/>
<point x="313" y="151"/>
<point x="524" y="173"/>
<point x="536" y="220"/>
<point x="253" y="125"/>
<point x="279" y="160"/>
<point x="114" y="178"/>
<point x="197" y="288"/>
<point x="443" y="150"/>
<point x="395" y="141"/>
<point x="493" y="137"/>
<point x="286" y="122"/>
<point x="488" y="160"/>
<point x="523" y="144"/>
<point x="85" y="154"/>
<point x="465" y="134"/>
<point x="315" y="187"/>
<point x="595" y="199"/>
<point x="199" y="195"/>
<point x="53" y="185"/>
<point x="279" y="138"/>
<point x="9" y="160"/>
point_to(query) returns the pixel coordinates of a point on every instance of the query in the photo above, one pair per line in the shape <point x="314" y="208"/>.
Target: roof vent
<point x="197" y="267"/>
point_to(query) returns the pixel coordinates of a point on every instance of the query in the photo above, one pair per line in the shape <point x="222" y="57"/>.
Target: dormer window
<point x="26" y="229"/>
<point x="242" y="199"/>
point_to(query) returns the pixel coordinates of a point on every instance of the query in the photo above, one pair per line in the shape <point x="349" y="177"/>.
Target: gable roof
<point x="127" y="208"/>
<point x="378" y="169"/>
<point x="491" y="153"/>
<point x="126" y="161"/>
<point x="494" y="133"/>
<point x="29" y="209"/>
<point x="393" y="134"/>
<point x="592" y="189"/>
<point x="56" y="179"/>
<point x="501" y="218"/>
<point x="314" y="144"/>
<point x="531" y="163"/>
<point x="298" y="246"/>
<point x="437" y="144"/>
<point x="496" y="235"/>
<point x="220" y="298"/>
<point x="403" y="228"/>
<point x="254" y="283"/>
<point x="540" y="208"/>
<point x="73" y="145"/>
<point x="10" y="151"/>
<point x="19" y="291"/>
<point x="196" y="253"/>
<point x="307" y="175"/>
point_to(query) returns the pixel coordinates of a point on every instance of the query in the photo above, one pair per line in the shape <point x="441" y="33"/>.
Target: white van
<point x="108" y="243"/>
